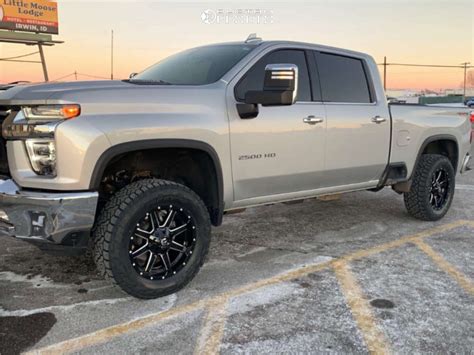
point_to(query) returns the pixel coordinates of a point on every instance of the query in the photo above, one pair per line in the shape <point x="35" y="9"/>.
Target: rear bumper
<point x="46" y="218"/>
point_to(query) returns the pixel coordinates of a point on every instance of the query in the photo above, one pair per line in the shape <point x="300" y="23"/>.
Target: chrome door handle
<point x="378" y="119"/>
<point x="313" y="119"/>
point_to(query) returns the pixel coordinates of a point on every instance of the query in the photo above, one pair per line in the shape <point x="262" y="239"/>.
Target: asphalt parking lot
<point x="354" y="275"/>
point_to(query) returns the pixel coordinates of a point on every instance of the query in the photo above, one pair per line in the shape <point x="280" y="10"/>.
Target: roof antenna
<point x="253" y="38"/>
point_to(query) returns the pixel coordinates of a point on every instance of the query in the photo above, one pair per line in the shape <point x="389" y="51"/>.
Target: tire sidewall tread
<point x="112" y="232"/>
<point x="416" y="200"/>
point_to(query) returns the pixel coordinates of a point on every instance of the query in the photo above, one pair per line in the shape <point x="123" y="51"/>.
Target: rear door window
<point x="343" y="79"/>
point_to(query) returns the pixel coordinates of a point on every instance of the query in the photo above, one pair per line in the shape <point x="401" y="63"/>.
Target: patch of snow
<point x="37" y="281"/>
<point x="262" y="296"/>
<point x="27" y="312"/>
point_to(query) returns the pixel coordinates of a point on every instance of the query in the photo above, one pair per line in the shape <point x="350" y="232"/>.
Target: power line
<point x="81" y="74"/>
<point x="385" y="64"/>
<point x="18" y="56"/>
<point x="93" y="76"/>
<point x="63" y="77"/>
<point x="20" y="61"/>
<point x="425" y="65"/>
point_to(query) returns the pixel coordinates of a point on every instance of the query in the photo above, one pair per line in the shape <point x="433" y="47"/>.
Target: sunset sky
<point x="416" y="31"/>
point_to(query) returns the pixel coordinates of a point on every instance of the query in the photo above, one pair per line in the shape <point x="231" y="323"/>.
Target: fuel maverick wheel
<point x="152" y="237"/>
<point x="432" y="189"/>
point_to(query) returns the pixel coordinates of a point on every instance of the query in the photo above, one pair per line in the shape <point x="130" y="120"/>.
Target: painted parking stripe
<point x="210" y="340"/>
<point x="374" y="338"/>
<point x="463" y="280"/>
<point x="106" y="334"/>
<point x="465" y="187"/>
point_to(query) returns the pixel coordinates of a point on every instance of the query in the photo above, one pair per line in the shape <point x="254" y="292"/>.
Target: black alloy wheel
<point x="162" y="242"/>
<point x="432" y="188"/>
<point x="439" y="189"/>
<point x="152" y="237"/>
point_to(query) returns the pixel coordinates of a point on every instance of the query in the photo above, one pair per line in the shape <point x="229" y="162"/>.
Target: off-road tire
<point x="115" y="224"/>
<point x="417" y="201"/>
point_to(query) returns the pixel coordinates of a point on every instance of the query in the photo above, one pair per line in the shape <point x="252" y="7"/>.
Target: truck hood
<point x="42" y="93"/>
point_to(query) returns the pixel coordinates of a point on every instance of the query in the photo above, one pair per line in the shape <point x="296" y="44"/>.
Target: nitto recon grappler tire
<point x="152" y="237"/>
<point x="432" y="189"/>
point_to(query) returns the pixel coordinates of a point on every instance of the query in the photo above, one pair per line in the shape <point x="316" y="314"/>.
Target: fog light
<point x="42" y="154"/>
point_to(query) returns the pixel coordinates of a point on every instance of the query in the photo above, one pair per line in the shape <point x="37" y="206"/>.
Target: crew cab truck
<point x="141" y="168"/>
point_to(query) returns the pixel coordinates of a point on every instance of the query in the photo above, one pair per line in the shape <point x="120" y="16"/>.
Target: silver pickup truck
<point x="140" y="169"/>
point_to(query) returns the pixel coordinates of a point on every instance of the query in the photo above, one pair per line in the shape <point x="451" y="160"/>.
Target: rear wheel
<point x="152" y="237"/>
<point x="432" y="189"/>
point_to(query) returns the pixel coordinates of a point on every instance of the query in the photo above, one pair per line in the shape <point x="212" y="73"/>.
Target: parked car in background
<point x="470" y="103"/>
<point x="394" y="100"/>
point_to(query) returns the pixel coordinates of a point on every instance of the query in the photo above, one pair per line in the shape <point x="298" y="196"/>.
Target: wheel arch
<point x="440" y="144"/>
<point x="432" y="144"/>
<point x="108" y="156"/>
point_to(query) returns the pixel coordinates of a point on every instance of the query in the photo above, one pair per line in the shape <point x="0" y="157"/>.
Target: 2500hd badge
<point x="257" y="156"/>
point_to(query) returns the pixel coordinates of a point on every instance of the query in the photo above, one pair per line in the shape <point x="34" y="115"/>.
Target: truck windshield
<point x="197" y="66"/>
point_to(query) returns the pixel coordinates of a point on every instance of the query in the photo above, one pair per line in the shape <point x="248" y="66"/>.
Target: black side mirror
<point x="132" y="75"/>
<point x="280" y="86"/>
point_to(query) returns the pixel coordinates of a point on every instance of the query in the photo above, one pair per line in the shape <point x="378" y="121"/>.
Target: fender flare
<point x="127" y="147"/>
<point x="431" y="139"/>
<point x="405" y="185"/>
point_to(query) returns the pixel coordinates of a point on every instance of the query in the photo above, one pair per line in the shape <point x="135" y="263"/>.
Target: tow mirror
<point x="280" y="86"/>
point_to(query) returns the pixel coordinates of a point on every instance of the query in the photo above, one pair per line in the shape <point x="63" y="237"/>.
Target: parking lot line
<point x="374" y="339"/>
<point x="106" y="334"/>
<point x="444" y="265"/>
<point x="209" y="341"/>
<point x="363" y="253"/>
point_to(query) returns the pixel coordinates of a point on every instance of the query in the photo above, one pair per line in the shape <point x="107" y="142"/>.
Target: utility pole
<point x="75" y="74"/>
<point x="465" y="64"/>
<point x="112" y="57"/>
<point x="385" y="73"/>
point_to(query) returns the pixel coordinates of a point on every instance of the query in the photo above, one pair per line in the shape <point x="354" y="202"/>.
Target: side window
<point x="253" y="79"/>
<point x="343" y="79"/>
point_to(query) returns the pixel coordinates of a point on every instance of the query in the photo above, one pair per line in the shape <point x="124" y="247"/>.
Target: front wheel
<point x="432" y="190"/>
<point x="152" y="237"/>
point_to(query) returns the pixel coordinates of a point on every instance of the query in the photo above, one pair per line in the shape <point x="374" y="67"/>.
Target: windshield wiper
<point x="149" y="82"/>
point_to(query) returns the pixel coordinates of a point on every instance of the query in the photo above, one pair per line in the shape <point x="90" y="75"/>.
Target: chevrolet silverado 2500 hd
<point x="141" y="168"/>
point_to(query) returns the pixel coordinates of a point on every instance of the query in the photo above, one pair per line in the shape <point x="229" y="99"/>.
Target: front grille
<point x="4" y="170"/>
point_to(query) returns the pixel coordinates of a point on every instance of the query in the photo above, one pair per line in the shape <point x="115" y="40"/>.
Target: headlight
<point x="47" y="113"/>
<point x="37" y="121"/>
<point x="42" y="154"/>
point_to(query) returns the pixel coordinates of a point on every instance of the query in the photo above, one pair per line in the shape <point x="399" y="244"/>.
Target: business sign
<point x="38" y="16"/>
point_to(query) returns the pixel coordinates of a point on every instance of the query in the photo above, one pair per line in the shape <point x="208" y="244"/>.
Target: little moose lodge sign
<point x="38" y="16"/>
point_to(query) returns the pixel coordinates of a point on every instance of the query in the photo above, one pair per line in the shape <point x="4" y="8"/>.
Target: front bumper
<point x="51" y="218"/>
